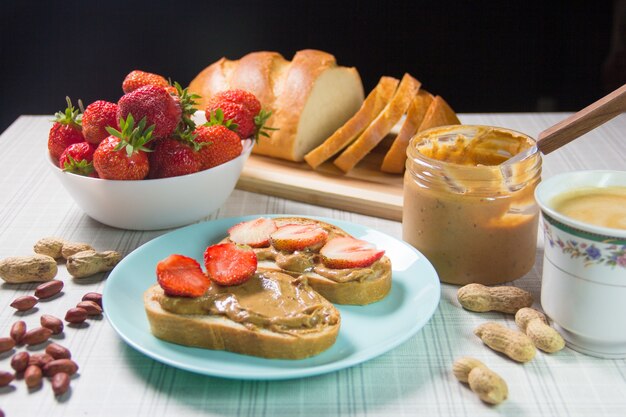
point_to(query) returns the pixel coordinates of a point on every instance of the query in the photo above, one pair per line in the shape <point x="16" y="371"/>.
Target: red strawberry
<point x="171" y="158"/>
<point x="155" y="104"/>
<point x="255" y="233"/>
<point x="219" y="145"/>
<point x="77" y="158"/>
<point x="243" y="97"/>
<point x="136" y="79"/>
<point x="230" y="264"/>
<point x="348" y="252"/>
<point x="97" y="116"/>
<point x="293" y="237"/>
<point x="241" y="108"/>
<point x="182" y="276"/>
<point x="65" y="130"/>
<point x="242" y="119"/>
<point x="122" y="156"/>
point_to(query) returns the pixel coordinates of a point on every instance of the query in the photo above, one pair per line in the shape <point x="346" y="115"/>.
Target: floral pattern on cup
<point x="610" y="255"/>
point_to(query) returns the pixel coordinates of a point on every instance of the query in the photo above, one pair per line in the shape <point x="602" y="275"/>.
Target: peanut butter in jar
<point x="472" y="217"/>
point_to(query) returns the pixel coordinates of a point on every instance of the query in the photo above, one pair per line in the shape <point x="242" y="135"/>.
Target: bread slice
<point x="310" y="96"/>
<point x="375" y="101"/>
<point x="439" y="113"/>
<point x="381" y="126"/>
<point x="219" y="332"/>
<point x="393" y="162"/>
<point x="373" y="283"/>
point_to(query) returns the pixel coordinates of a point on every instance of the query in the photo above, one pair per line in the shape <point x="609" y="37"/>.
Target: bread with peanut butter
<point x="344" y="270"/>
<point x="270" y="315"/>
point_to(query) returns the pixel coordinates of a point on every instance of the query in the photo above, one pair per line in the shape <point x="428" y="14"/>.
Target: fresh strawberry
<point x="65" y="131"/>
<point x="182" y="276"/>
<point x="294" y="237"/>
<point x="136" y="79"/>
<point x="122" y="156"/>
<point x="77" y="159"/>
<point x="219" y="145"/>
<point x="348" y="252"/>
<point x="97" y="116"/>
<point x="242" y="121"/>
<point x="243" y="97"/>
<point x="171" y="158"/>
<point x="255" y="233"/>
<point x="230" y="264"/>
<point x="243" y="109"/>
<point x="155" y="104"/>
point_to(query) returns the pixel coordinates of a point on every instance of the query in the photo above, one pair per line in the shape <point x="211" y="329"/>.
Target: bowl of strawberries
<point x="151" y="160"/>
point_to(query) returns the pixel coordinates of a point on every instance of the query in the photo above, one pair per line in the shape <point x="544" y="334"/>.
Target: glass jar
<point x="473" y="218"/>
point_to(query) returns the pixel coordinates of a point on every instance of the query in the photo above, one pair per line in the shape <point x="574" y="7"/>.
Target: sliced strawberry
<point x="255" y="233"/>
<point x="230" y="264"/>
<point x="182" y="276"/>
<point x="293" y="237"/>
<point x="348" y="252"/>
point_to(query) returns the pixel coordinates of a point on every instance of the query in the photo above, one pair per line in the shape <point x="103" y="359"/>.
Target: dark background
<point x="481" y="56"/>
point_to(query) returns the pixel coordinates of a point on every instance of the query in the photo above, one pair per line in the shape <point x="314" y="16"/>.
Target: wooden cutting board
<point x="365" y="189"/>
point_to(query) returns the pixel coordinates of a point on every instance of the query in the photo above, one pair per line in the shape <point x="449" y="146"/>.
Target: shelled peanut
<point x="514" y="344"/>
<point x="488" y="385"/>
<point x="24" y="303"/>
<point x="505" y="299"/>
<point x="56" y="363"/>
<point x="48" y="289"/>
<point x="535" y="325"/>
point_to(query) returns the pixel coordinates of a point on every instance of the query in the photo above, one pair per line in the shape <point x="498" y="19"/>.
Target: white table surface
<point x="412" y="379"/>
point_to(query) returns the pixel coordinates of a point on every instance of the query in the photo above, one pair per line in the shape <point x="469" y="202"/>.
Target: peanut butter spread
<point x="270" y="299"/>
<point x="489" y="146"/>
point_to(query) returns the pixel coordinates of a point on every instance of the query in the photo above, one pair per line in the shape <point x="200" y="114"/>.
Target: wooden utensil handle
<point x="582" y="122"/>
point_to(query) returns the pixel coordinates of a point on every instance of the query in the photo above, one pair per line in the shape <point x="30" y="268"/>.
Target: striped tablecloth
<point x="412" y="379"/>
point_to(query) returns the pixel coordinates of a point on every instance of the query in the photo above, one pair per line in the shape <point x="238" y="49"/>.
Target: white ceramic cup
<point x="583" y="286"/>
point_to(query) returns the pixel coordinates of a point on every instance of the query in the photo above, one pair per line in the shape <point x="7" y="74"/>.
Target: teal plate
<point x="366" y="331"/>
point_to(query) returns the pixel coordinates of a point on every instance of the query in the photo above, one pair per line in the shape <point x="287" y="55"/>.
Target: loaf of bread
<point x="309" y="96"/>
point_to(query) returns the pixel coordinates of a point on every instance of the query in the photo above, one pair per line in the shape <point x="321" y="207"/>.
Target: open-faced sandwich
<point x="239" y="309"/>
<point x="266" y="289"/>
<point x="344" y="270"/>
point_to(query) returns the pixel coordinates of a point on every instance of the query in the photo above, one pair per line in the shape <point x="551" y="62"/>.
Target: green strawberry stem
<point x="132" y="138"/>
<point x="82" y="167"/>
<point x="71" y="116"/>
<point x="187" y="135"/>
<point x="217" y="118"/>
<point x="259" y="125"/>
<point x="187" y="104"/>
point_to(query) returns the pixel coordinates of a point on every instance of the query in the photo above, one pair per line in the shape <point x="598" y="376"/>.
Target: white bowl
<point x="583" y="286"/>
<point x="153" y="204"/>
